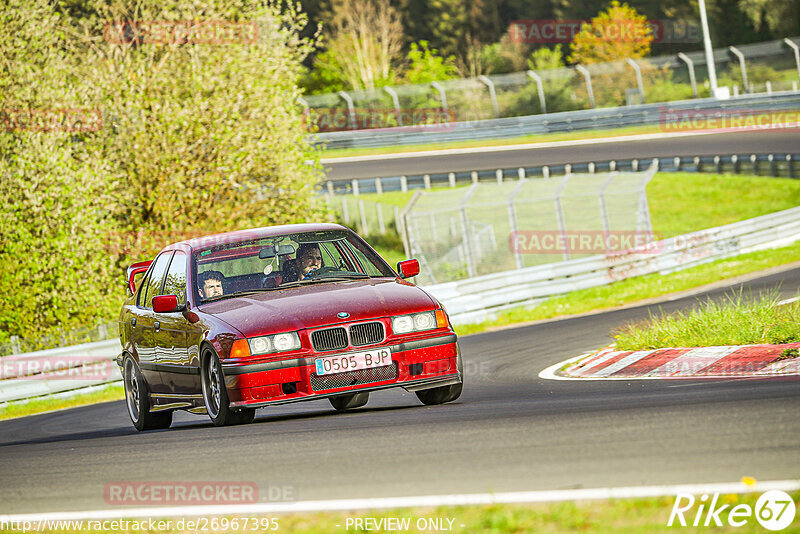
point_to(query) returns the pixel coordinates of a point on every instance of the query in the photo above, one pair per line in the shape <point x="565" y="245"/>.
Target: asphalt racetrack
<point x="510" y="431"/>
<point x="778" y="141"/>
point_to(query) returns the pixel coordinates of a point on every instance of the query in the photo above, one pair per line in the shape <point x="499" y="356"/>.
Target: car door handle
<point x="133" y="321"/>
<point x="157" y="325"/>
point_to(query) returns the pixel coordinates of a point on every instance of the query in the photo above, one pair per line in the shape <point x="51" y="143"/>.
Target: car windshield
<point x="279" y="262"/>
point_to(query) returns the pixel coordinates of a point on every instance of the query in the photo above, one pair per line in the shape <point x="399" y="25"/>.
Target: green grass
<point x="638" y="289"/>
<point x="685" y="202"/>
<point x="734" y="321"/>
<point x="34" y="406"/>
<point x="643" y="516"/>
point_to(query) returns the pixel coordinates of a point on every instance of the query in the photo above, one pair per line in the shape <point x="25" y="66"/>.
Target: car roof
<point x="254" y="233"/>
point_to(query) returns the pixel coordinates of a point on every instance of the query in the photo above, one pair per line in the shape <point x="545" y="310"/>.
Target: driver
<point x="211" y="284"/>
<point x="309" y="259"/>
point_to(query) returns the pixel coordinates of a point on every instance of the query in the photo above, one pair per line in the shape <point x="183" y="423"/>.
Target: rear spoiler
<point x="135" y="269"/>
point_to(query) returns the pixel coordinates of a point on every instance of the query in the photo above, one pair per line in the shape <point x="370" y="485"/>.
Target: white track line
<point x="529" y="146"/>
<point x="425" y="501"/>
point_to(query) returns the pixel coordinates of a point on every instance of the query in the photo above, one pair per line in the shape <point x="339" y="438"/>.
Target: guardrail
<point x="566" y="121"/>
<point x="478" y="298"/>
<point x="58" y="371"/>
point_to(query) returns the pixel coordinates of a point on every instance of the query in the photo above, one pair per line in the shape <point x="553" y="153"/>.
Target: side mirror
<point x="165" y="303"/>
<point x="408" y="268"/>
<point x="135" y="269"/>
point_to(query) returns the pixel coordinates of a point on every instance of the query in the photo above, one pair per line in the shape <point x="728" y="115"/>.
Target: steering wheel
<point x="320" y="271"/>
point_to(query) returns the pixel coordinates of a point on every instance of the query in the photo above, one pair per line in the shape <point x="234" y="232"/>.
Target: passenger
<point x="211" y="284"/>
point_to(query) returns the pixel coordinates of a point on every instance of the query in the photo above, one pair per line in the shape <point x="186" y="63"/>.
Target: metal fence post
<point x="639" y="81"/>
<point x="492" y="95"/>
<point x="426" y="180"/>
<point x="736" y="52"/>
<point x="451" y="179"/>
<point x="512" y="219"/>
<point x="381" y="225"/>
<point x="15" y="345"/>
<point x="539" y="88"/>
<point x="401" y="220"/>
<point x="363" y="212"/>
<point x="329" y="186"/>
<point x="396" y="102"/>
<point x="442" y="94"/>
<point x="351" y="108"/>
<point x="601" y="197"/>
<point x="499" y="175"/>
<point x="562" y="224"/>
<point x="588" y="77"/>
<point x="791" y="44"/>
<point x="467" y="235"/>
<point x="378" y="186"/>
<point x="689" y="63"/>
<point x="345" y="210"/>
<point x="355" y="187"/>
<point x="404" y="184"/>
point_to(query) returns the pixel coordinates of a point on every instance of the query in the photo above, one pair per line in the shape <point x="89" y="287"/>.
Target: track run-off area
<point x="511" y="431"/>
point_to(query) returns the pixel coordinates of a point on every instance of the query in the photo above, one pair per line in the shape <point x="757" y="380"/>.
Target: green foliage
<point x="425" y="65"/>
<point x="617" y="33"/>
<point x="558" y="91"/>
<point x="195" y="138"/>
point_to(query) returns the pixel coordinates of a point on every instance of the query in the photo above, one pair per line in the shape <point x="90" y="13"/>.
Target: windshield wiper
<point x="237" y="294"/>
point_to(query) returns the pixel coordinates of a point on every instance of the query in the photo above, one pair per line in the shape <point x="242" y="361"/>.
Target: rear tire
<point x="215" y="395"/>
<point x="137" y="399"/>
<point x="348" y="402"/>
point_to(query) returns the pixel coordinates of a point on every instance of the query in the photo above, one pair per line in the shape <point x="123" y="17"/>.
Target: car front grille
<point x="329" y="339"/>
<point x="337" y="338"/>
<point x="366" y="333"/>
<point x="353" y="378"/>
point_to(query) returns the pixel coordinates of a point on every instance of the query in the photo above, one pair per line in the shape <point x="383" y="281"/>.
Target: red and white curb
<point x="698" y="362"/>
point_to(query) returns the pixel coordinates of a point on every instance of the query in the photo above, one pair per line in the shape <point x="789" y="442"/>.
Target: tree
<point x="425" y="65"/>
<point x="617" y="33"/>
<point x="196" y="136"/>
<point x="365" y="39"/>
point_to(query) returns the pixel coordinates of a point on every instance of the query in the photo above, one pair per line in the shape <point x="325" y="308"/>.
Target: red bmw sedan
<point x="227" y="323"/>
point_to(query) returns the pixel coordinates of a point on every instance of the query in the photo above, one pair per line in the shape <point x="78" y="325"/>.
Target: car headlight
<point x="274" y="343"/>
<point x="417" y="322"/>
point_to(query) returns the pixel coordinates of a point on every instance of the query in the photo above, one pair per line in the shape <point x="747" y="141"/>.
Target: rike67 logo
<point x="774" y="510"/>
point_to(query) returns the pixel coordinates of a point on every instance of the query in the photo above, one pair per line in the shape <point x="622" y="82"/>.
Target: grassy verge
<point x="32" y="407"/>
<point x="619" y="515"/>
<point x="735" y="321"/>
<point x="525" y="139"/>
<point x="638" y="289"/>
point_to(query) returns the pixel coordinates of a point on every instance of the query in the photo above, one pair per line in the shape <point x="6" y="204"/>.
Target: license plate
<point x="353" y="362"/>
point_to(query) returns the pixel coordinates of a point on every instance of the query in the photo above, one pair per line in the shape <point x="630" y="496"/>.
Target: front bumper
<point x="416" y="365"/>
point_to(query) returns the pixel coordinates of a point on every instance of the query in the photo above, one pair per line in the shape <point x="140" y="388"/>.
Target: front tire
<point x="348" y="402"/>
<point x="137" y="399"/>
<point x="216" y="396"/>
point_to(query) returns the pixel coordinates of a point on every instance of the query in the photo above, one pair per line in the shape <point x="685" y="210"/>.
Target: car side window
<point x="154" y="281"/>
<point x="175" y="282"/>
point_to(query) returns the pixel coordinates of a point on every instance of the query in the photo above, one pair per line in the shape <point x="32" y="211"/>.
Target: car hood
<point x="316" y="305"/>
